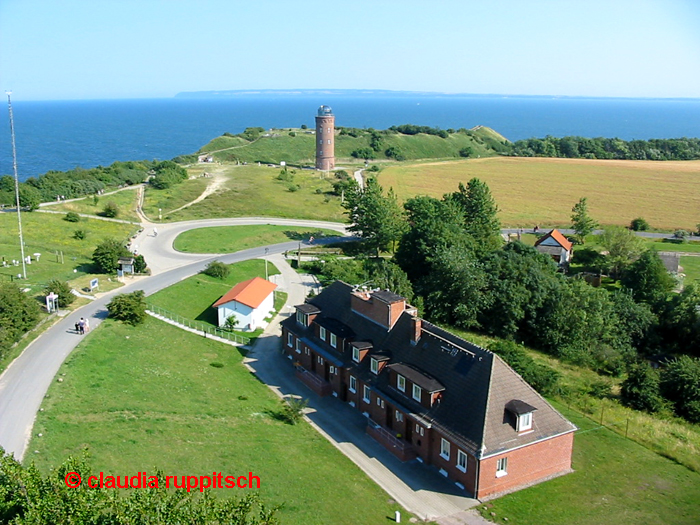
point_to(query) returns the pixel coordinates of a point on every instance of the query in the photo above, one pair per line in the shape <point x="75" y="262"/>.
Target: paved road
<point x="25" y="382"/>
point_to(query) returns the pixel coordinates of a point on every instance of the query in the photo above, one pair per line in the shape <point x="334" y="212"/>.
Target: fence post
<point x="602" y="411"/>
<point x="627" y="426"/>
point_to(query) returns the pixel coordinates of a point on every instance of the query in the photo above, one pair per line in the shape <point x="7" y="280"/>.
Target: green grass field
<point x="253" y="191"/>
<point x="691" y="268"/>
<point x="47" y="233"/>
<point x="143" y="397"/>
<point x="172" y="198"/>
<point x="125" y="201"/>
<point x="542" y="191"/>
<point x="615" y="481"/>
<point x="227" y="239"/>
<point x="193" y="297"/>
<point x="300" y="149"/>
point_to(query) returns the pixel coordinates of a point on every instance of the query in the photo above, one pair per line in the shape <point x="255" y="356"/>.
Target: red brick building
<point x="325" y="139"/>
<point x="428" y="395"/>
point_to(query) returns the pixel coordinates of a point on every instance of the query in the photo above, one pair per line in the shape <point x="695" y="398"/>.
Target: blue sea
<point x="64" y="135"/>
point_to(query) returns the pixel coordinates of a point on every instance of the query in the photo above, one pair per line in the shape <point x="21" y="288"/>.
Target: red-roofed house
<point x="555" y="244"/>
<point x="250" y="302"/>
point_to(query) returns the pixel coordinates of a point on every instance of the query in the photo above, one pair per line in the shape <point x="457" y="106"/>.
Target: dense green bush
<point x="129" y="308"/>
<point x="363" y="153"/>
<point x="639" y="225"/>
<point x="217" y="269"/>
<point x="680" y="384"/>
<point x="62" y="289"/>
<point x="167" y="174"/>
<point x="80" y="234"/>
<point x="110" y="210"/>
<point x="140" y="264"/>
<point x="106" y="255"/>
<point x="18" y="313"/>
<point x="641" y="389"/>
<point x="71" y="216"/>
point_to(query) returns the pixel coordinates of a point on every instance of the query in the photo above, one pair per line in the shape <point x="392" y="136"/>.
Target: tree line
<point x="79" y="182"/>
<point x="449" y="257"/>
<point x="608" y="148"/>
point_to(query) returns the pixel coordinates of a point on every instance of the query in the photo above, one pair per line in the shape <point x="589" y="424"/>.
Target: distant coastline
<point x="232" y="93"/>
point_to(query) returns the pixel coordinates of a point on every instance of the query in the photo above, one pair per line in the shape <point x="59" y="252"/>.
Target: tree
<point x="680" y="321"/>
<point x="434" y="226"/>
<point x="32" y="498"/>
<point x="129" y="308"/>
<point x="18" y="313"/>
<point x="680" y="384"/>
<point x="140" y="265"/>
<point x="639" y="225"/>
<point x="363" y="153"/>
<point x="62" y="289"/>
<point x="376" y="218"/>
<point x="110" y="210"/>
<point x="581" y="222"/>
<point x="480" y="213"/>
<point x="231" y="323"/>
<point x="623" y="246"/>
<point x="389" y="276"/>
<point x="29" y="197"/>
<point x="217" y="269"/>
<point x="106" y="255"/>
<point x="641" y="389"/>
<point x="647" y="278"/>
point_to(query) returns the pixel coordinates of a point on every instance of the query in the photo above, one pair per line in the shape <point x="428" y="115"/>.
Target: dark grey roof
<point x="333" y="325"/>
<point x="477" y="384"/>
<point x="308" y="308"/>
<point x="387" y="296"/>
<point x="361" y="344"/>
<point x="414" y="375"/>
<point x="519" y="407"/>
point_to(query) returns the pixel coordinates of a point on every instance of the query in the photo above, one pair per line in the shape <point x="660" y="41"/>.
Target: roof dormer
<point x="522" y="412"/>
<point x="306" y="313"/>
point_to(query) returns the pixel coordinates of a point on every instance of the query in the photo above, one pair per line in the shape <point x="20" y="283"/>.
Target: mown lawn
<point x="47" y="233"/>
<point x="542" y="191"/>
<point x="125" y="200"/>
<point x="143" y="397"/>
<point x="691" y="268"/>
<point x="227" y="239"/>
<point x="193" y="297"/>
<point x="615" y="481"/>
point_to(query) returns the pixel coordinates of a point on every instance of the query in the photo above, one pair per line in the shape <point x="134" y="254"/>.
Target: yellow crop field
<point x="543" y="190"/>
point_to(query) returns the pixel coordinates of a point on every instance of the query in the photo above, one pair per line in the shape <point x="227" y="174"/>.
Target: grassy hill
<point x="297" y="146"/>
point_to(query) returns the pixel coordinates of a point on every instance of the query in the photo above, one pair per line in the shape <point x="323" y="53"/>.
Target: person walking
<point x="155" y="232"/>
<point x="81" y="326"/>
<point x="86" y="327"/>
<point x="77" y="327"/>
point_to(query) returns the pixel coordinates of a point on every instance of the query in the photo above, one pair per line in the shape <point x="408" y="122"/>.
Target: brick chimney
<point x="416" y="329"/>
<point x="381" y="306"/>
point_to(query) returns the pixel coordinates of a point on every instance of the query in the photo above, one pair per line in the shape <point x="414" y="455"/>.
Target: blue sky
<point x="92" y="49"/>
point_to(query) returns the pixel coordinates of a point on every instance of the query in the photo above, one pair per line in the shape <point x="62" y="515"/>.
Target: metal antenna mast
<point x="14" y="165"/>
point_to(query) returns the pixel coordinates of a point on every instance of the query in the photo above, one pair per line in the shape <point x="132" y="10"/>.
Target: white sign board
<point x="94" y="283"/>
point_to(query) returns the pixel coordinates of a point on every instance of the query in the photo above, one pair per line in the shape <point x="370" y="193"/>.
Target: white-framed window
<point x="525" y="422"/>
<point x="331" y="370"/>
<point x="322" y="333"/>
<point x="329" y="130"/>
<point x="353" y="384"/>
<point x="320" y="360"/>
<point x="399" y="416"/>
<point x="374" y="366"/>
<point x="290" y="340"/>
<point x="501" y="467"/>
<point x="401" y="383"/>
<point x="334" y="340"/>
<point x="320" y="141"/>
<point x="461" y="460"/>
<point x="307" y="351"/>
<point x="320" y="130"/>
<point x="320" y="152"/>
<point x="419" y="430"/>
<point x="329" y="141"/>
<point x="356" y="354"/>
<point x="298" y="349"/>
<point x="445" y="448"/>
<point x="301" y="318"/>
<point x="416" y="392"/>
<point x="365" y="393"/>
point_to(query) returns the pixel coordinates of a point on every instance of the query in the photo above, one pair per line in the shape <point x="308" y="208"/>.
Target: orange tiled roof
<point x="250" y="293"/>
<point x="557" y="236"/>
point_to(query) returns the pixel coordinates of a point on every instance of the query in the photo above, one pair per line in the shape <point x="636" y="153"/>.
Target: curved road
<point x="25" y="382"/>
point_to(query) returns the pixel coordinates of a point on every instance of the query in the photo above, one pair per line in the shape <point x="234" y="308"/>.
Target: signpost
<point x="94" y="283"/>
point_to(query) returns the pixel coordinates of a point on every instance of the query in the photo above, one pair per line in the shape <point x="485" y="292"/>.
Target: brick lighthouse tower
<point x="325" y="139"/>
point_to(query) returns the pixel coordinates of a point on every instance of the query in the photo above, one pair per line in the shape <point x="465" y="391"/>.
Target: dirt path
<point x="217" y="182"/>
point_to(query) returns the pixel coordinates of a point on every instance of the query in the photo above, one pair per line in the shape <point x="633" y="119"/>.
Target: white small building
<point x="556" y="245"/>
<point x="250" y="302"/>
